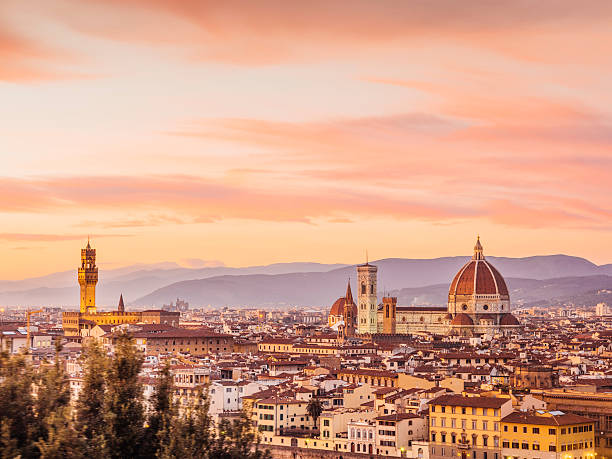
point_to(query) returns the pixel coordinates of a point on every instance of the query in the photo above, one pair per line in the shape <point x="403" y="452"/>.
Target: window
<point x="552" y="447"/>
<point x="551" y="431"/>
<point x="524" y="429"/>
<point x="433" y="422"/>
<point x="515" y="429"/>
<point x="474" y="425"/>
<point x="515" y="444"/>
<point x="485" y="441"/>
<point x="505" y="444"/>
<point x="535" y="447"/>
<point x="524" y="445"/>
<point x="505" y="428"/>
<point x="326" y="422"/>
<point x="485" y="425"/>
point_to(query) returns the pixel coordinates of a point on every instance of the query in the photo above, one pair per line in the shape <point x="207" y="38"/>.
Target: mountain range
<point x="548" y="279"/>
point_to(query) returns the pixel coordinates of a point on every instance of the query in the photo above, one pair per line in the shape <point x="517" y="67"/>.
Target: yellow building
<point x="281" y="416"/>
<point x="468" y="427"/>
<point x="82" y="322"/>
<point x="547" y="435"/>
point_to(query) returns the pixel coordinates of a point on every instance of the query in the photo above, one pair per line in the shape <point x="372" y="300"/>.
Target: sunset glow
<point x="247" y="133"/>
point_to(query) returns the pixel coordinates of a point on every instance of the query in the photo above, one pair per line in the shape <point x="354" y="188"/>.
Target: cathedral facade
<point x="478" y="304"/>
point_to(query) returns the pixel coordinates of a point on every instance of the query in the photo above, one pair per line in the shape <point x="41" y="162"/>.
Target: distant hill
<point x="420" y="281"/>
<point x="297" y="289"/>
<point x="587" y="290"/>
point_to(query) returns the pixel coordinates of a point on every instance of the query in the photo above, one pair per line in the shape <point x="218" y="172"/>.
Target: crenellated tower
<point x="88" y="278"/>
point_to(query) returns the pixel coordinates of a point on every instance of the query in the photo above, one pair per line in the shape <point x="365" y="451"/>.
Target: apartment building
<point x="547" y="435"/>
<point x="468" y="427"/>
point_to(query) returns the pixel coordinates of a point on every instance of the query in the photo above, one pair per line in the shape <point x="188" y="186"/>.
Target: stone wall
<point x="287" y="452"/>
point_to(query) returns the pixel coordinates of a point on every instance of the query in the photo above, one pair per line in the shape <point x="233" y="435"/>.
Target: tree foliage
<point x="111" y="417"/>
<point x="314" y="409"/>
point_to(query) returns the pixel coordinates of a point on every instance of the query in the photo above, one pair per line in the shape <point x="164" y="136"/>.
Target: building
<point x="478" y="304"/>
<point x="396" y="432"/>
<point x="343" y="314"/>
<point x="547" y="435"/>
<point x="88" y="278"/>
<point x="281" y="415"/>
<point x="468" y="427"/>
<point x="602" y="309"/>
<point x="367" y="315"/>
<point x="534" y="377"/>
<point x="597" y="407"/>
<point x="82" y="322"/>
<point x="197" y="342"/>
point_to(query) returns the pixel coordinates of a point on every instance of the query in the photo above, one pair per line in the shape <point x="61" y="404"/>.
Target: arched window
<point x="363" y="288"/>
<point x="387" y="311"/>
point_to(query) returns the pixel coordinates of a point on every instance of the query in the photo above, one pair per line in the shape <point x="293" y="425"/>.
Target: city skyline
<point x="246" y="135"/>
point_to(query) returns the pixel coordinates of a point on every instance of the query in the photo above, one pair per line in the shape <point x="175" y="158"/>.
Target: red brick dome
<point x="478" y="277"/>
<point x="509" y="319"/>
<point x="337" y="308"/>
<point x="462" y="320"/>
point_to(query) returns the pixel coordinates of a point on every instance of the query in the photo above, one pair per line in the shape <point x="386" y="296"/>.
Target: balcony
<point x="463" y="443"/>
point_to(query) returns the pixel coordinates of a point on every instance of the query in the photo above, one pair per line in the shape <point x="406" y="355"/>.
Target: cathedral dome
<point x="337" y="308"/>
<point x="509" y="319"/>
<point x="478" y="277"/>
<point x="462" y="320"/>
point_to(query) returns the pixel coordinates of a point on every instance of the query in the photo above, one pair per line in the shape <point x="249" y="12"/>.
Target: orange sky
<point x="249" y="132"/>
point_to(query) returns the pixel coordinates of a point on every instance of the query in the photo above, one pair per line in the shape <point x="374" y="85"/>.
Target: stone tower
<point x="367" y="304"/>
<point x="389" y="315"/>
<point x="88" y="278"/>
<point x="349" y="313"/>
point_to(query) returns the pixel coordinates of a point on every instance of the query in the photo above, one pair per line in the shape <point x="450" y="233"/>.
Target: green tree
<point x="62" y="440"/>
<point x="123" y="402"/>
<point x="90" y="419"/>
<point x="8" y="444"/>
<point x="314" y="409"/>
<point x="17" y="415"/>
<point x="53" y="392"/>
<point x="237" y="439"/>
<point x="189" y="434"/>
<point x="161" y="414"/>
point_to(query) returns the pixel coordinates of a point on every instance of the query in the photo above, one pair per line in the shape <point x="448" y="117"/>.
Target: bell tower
<point x="367" y="306"/>
<point x="88" y="278"/>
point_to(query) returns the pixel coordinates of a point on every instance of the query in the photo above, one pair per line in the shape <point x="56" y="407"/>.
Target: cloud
<point x="275" y="31"/>
<point x="36" y="237"/>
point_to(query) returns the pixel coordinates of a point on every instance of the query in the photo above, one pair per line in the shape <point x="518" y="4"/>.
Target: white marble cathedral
<point x="478" y="304"/>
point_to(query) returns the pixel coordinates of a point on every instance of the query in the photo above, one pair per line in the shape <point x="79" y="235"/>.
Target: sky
<point x="245" y="133"/>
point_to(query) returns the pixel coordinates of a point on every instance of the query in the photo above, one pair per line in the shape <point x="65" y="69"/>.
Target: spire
<point x="121" y="307"/>
<point x="349" y="294"/>
<point x="88" y="246"/>
<point x="478" y="255"/>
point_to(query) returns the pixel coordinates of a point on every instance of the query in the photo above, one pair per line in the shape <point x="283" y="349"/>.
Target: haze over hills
<point x="415" y="281"/>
